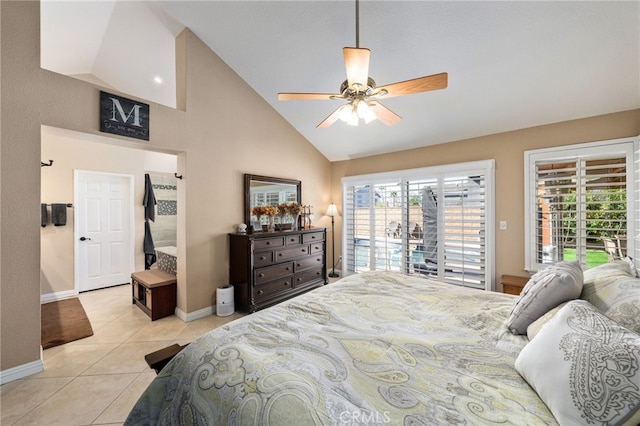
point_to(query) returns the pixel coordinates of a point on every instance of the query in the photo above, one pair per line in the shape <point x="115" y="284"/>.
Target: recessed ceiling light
<point x="157" y="79"/>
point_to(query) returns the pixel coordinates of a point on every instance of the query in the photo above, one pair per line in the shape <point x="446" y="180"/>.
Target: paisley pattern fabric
<point x="374" y="348"/>
<point x="612" y="358"/>
<point x="590" y="371"/>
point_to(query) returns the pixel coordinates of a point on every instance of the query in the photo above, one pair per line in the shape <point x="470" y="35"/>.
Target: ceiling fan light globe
<point x="346" y="112"/>
<point x="353" y="121"/>
<point x="369" y="118"/>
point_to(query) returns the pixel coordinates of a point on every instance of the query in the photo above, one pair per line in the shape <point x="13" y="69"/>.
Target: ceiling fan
<point x="361" y="92"/>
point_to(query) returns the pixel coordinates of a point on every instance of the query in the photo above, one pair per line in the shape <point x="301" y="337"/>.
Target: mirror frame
<point x="248" y="178"/>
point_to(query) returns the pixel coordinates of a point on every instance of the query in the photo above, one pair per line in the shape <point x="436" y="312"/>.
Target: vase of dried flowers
<point x="269" y="211"/>
<point x="294" y="210"/>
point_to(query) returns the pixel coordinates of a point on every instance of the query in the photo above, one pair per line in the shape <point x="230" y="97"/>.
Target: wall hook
<point x="45" y="164"/>
<point x="177" y="177"/>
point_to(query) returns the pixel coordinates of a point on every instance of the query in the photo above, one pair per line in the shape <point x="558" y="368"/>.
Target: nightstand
<point x="512" y="284"/>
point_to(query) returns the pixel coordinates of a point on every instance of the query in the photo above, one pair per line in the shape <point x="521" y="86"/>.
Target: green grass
<point x="594" y="257"/>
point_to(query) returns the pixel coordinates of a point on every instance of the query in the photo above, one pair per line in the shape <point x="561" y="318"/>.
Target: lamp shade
<point x="332" y="210"/>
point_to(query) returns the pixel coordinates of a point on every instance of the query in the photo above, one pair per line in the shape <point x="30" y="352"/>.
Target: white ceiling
<point x="511" y="65"/>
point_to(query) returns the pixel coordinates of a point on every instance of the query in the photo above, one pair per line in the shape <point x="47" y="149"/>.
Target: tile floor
<point x="96" y="380"/>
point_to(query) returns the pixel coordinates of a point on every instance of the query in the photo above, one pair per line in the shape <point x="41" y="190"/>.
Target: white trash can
<point x="224" y="301"/>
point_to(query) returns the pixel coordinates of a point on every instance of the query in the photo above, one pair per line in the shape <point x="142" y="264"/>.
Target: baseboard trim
<point x="21" y="371"/>
<point x="192" y="316"/>
<point x="52" y="297"/>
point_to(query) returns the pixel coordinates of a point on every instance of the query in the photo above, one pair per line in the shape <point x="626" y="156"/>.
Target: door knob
<point x="84" y="238"/>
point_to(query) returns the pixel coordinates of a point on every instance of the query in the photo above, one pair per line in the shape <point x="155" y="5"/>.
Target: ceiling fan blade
<point x="356" y="62"/>
<point x="416" y="85"/>
<point x="384" y="114"/>
<point x="332" y="118"/>
<point x="307" y="96"/>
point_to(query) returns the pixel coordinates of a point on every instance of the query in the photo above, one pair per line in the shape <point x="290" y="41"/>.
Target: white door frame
<point x="76" y="177"/>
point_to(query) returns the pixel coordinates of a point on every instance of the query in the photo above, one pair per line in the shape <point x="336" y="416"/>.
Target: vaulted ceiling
<point x="511" y="65"/>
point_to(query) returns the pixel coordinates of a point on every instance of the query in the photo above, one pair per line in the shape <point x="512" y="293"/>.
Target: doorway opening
<point x="60" y="246"/>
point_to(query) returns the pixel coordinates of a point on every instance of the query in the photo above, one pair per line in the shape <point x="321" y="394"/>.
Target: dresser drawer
<point x="269" y="273"/>
<point x="263" y="258"/>
<point x="309" y="262"/>
<point x="272" y="288"/>
<point x="291" y="253"/>
<point x="304" y="277"/>
<point x="265" y="243"/>
<point x="312" y="237"/>
<point x="317" y="248"/>
<point x="292" y="240"/>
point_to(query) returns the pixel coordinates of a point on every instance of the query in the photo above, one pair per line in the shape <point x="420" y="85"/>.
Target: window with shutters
<point x="433" y="222"/>
<point x="579" y="203"/>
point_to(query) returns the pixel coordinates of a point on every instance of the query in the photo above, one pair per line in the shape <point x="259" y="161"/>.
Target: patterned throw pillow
<point x="609" y="269"/>
<point x="546" y="289"/>
<point x="618" y="297"/>
<point x="585" y="367"/>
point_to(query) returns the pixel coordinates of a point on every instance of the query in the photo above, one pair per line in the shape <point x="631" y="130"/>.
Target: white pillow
<point x="585" y="367"/>
<point x="546" y="289"/>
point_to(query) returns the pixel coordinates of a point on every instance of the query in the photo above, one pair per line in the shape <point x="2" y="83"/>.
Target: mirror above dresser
<point x="266" y="190"/>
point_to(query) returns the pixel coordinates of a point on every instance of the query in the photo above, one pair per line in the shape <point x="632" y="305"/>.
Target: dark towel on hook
<point x="44" y="215"/>
<point x="149" y="200"/>
<point x="59" y="214"/>
<point x="149" y="247"/>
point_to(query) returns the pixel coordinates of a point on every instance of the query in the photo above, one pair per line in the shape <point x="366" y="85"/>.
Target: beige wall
<point x="225" y="130"/>
<point x="508" y="151"/>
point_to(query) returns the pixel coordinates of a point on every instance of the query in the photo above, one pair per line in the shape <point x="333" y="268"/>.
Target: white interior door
<point x="103" y="229"/>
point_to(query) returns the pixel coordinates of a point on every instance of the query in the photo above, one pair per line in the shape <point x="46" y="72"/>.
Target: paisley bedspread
<point x="373" y="348"/>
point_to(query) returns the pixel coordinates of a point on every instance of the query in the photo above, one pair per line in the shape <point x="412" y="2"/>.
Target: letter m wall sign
<point x="124" y="117"/>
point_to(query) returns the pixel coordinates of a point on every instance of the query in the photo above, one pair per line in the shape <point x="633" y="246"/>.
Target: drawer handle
<point x="279" y="254"/>
<point x="260" y="275"/>
<point x="318" y="273"/>
<point x="299" y="279"/>
<point x="313" y="237"/>
<point x="260" y="291"/>
<point x="286" y="283"/>
<point x="298" y="264"/>
<point x="262" y="258"/>
<point x="268" y="243"/>
<point x="287" y="268"/>
<point x="319" y="259"/>
<point x="304" y="250"/>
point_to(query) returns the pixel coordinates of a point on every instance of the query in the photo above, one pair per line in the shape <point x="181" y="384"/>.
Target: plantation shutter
<point x="431" y="223"/>
<point x="464" y="224"/>
<point x="581" y="210"/>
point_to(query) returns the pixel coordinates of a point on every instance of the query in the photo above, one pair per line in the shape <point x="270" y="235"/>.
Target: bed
<point x="372" y="348"/>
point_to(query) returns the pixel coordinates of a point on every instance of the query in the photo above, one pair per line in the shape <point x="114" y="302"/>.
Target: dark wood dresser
<point x="269" y="267"/>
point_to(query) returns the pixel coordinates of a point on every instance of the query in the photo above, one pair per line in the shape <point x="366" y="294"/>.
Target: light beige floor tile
<point x="126" y="358"/>
<point x="72" y="360"/>
<point x="19" y="397"/>
<point x="112" y="332"/>
<point x="118" y="411"/>
<point x="197" y="328"/>
<point x="163" y="329"/>
<point x="80" y="402"/>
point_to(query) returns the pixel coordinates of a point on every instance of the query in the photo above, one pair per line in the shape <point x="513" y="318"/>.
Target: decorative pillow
<point x="617" y="296"/>
<point x="614" y="268"/>
<point x="546" y="289"/>
<point x="584" y="367"/>
<point x="535" y="327"/>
